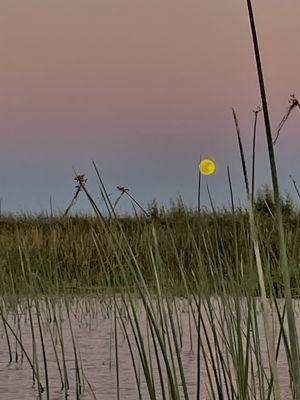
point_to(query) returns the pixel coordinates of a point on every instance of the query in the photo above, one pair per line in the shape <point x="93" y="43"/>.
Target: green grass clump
<point x="75" y="254"/>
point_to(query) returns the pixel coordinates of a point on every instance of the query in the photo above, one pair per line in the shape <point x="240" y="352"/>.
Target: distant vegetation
<point x="46" y="254"/>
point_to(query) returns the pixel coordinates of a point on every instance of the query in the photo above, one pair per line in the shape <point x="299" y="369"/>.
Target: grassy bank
<point x="46" y="255"/>
<point x="177" y="288"/>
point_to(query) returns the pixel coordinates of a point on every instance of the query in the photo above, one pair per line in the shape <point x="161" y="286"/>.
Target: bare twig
<point x="256" y="112"/>
<point x="293" y="104"/>
<point x="295" y="185"/>
<point x="81" y="180"/>
<point x="124" y="190"/>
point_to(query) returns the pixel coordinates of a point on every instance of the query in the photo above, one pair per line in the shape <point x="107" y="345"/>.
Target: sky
<point x="143" y="88"/>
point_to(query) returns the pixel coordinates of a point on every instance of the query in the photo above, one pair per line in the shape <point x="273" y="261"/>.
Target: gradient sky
<point x="143" y="87"/>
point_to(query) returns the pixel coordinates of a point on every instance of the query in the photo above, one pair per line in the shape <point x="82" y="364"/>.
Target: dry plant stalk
<point x="123" y="191"/>
<point x="256" y="112"/>
<point x="293" y="104"/>
<point x="81" y="180"/>
<point x="254" y="237"/>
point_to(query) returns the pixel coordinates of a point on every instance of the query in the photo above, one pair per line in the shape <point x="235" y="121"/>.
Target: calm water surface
<point x="93" y="326"/>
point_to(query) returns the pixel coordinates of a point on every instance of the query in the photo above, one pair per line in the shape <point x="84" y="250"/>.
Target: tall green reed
<point x="282" y="244"/>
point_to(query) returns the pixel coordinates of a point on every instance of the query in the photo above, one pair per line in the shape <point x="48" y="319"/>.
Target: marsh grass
<point x="220" y="285"/>
<point x="77" y="255"/>
<point x="148" y="275"/>
<point x="295" y="359"/>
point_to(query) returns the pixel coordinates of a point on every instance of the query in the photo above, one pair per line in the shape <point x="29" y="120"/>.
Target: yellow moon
<point x="207" y="167"/>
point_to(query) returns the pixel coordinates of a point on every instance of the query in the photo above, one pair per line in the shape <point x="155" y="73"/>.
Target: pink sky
<point x="142" y="87"/>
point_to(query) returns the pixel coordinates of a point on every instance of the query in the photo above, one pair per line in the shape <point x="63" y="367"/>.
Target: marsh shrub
<point x="265" y="205"/>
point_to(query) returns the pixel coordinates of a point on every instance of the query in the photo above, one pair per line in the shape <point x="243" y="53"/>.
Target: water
<point x="93" y="322"/>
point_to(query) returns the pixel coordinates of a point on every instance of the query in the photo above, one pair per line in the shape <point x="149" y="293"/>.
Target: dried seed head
<point x="122" y="189"/>
<point x="257" y="110"/>
<point x="81" y="179"/>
